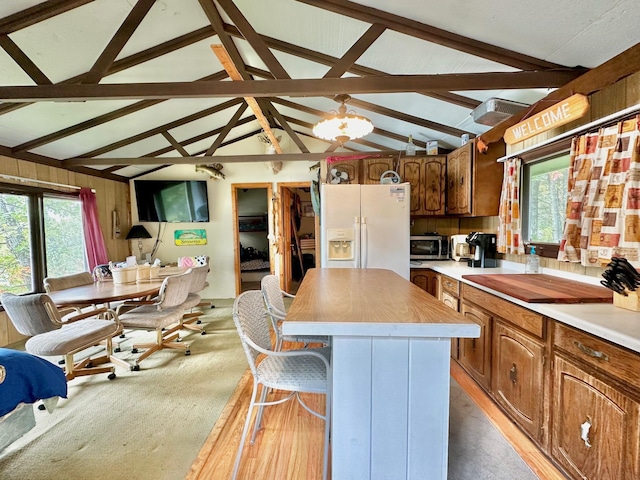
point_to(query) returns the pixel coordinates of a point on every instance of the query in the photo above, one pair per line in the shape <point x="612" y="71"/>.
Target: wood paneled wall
<point x="617" y="97"/>
<point x="111" y="196"/>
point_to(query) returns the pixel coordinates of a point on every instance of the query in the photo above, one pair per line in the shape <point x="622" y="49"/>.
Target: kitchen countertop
<point x="603" y="320"/>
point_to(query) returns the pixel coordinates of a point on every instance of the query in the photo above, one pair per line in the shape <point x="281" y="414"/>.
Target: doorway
<point x="298" y="225"/>
<point x="252" y="207"/>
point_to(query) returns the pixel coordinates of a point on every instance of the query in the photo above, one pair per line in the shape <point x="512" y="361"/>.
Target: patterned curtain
<point x="510" y="228"/>
<point x="93" y="238"/>
<point x="603" y="210"/>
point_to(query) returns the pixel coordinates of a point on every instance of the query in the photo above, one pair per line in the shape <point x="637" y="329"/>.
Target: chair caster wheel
<point x="122" y="335"/>
<point x="135" y="368"/>
<point x="111" y="376"/>
<point x="134" y="350"/>
<point x="203" y="333"/>
<point x="117" y="349"/>
<point x="187" y="352"/>
<point x="178" y="339"/>
<point x="41" y="407"/>
<point x="199" y="322"/>
<point x="61" y="362"/>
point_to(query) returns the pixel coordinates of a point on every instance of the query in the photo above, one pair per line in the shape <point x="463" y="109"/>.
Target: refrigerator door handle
<point x="356" y="228"/>
<point x="364" y="243"/>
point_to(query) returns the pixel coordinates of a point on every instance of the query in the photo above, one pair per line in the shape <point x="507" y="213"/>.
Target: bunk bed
<point x="254" y="260"/>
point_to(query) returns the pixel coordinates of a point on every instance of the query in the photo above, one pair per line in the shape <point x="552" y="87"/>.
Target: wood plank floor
<point x="289" y="446"/>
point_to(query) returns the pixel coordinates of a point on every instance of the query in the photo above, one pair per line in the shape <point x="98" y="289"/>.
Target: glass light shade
<point x="343" y="126"/>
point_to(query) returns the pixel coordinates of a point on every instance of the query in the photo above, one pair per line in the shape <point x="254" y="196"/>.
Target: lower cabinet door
<point x="595" y="432"/>
<point x="475" y="353"/>
<point x="518" y="377"/>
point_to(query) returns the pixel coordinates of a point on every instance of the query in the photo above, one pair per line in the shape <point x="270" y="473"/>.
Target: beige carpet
<point x="148" y="424"/>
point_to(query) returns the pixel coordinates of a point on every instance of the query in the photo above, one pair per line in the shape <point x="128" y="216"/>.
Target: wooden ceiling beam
<point x="432" y="34"/>
<point x="23" y="61"/>
<point x="193" y="160"/>
<point x="234" y="74"/>
<point x="198" y="138"/>
<point x="621" y="66"/>
<point x="226" y="129"/>
<point x="118" y="41"/>
<point x="285" y="124"/>
<point x="255" y="40"/>
<point x="356" y="51"/>
<point x="158" y="130"/>
<point x="301" y="87"/>
<point x="38" y="13"/>
<point x="175" y="144"/>
<point x="324" y="59"/>
<point x="100" y="120"/>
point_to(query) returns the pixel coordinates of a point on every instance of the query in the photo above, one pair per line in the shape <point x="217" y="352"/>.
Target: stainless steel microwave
<point x="428" y="247"/>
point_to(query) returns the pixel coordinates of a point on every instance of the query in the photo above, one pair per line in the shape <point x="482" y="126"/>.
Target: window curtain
<point x="93" y="238"/>
<point x="603" y="208"/>
<point x="510" y="225"/>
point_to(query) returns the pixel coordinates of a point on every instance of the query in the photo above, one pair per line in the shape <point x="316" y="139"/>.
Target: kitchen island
<point x="390" y="370"/>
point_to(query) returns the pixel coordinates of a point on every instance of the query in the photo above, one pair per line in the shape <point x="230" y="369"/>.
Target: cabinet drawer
<point x="526" y="319"/>
<point x="599" y="353"/>
<point x="450" y="285"/>
<point x="450" y="301"/>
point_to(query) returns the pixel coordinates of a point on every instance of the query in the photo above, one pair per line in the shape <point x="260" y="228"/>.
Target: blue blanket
<point x="27" y="378"/>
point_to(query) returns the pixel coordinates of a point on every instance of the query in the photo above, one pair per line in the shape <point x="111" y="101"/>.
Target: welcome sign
<point x="561" y="113"/>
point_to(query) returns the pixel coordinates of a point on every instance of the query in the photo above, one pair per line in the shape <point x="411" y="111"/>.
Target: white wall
<point x="219" y="229"/>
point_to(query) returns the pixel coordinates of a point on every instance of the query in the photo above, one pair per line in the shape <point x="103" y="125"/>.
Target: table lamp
<point x="139" y="232"/>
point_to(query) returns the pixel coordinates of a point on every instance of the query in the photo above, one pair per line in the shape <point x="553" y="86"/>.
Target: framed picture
<point x="307" y="209"/>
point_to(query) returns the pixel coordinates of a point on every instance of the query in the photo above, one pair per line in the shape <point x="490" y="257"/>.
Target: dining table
<point x="390" y="370"/>
<point x="104" y="292"/>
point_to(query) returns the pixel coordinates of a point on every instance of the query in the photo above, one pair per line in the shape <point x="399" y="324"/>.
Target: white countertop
<point x="603" y="320"/>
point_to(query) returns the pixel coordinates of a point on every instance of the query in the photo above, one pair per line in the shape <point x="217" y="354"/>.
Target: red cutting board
<point x="540" y="288"/>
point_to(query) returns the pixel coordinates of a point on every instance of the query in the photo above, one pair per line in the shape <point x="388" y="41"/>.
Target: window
<point x="545" y="199"/>
<point x="40" y="235"/>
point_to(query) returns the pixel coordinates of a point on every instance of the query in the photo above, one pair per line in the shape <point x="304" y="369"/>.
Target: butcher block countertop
<point x="541" y="288"/>
<point x="603" y="320"/>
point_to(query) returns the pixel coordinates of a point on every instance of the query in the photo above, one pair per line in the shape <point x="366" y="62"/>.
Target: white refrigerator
<point x="365" y="226"/>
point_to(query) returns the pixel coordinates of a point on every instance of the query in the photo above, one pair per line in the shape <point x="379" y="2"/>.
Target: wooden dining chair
<point x="158" y="315"/>
<point x="295" y="371"/>
<point x="54" y="284"/>
<point x="37" y="317"/>
<point x="274" y="301"/>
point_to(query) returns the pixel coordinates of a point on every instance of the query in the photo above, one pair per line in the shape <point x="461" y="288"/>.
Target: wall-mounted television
<point x="172" y="200"/>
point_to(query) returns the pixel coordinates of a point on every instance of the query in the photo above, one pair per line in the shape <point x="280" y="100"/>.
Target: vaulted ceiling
<point x="119" y="88"/>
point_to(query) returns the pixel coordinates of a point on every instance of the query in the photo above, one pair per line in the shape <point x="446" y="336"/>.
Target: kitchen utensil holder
<point x="630" y="302"/>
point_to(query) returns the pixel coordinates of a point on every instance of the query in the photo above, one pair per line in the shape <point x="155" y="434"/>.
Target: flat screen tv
<point x="172" y="200"/>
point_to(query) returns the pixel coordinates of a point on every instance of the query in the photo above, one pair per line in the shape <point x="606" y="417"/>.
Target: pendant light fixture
<point x="343" y="126"/>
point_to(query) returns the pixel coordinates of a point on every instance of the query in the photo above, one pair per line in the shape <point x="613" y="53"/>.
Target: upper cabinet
<point x="373" y="168"/>
<point x="474" y="180"/>
<point x="427" y="178"/>
<point x="347" y="171"/>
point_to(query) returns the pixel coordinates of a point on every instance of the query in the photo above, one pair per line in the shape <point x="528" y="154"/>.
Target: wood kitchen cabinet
<point x="517" y="377"/>
<point x="427" y="176"/>
<point x="427" y="280"/>
<point x="475" y="353"/>
<point x="474" y="180"/>
<point x="350" y="167"/>
<point x="595" y="426"/>
<point x="373" y="168"/>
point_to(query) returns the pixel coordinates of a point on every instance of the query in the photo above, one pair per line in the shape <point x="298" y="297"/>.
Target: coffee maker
<point x="485" y="250"/>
